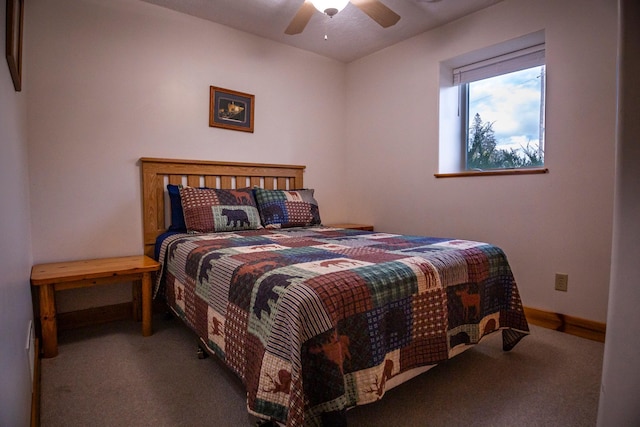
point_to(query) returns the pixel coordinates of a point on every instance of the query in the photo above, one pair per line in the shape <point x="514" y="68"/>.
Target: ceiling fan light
<point x="330" y="7"/>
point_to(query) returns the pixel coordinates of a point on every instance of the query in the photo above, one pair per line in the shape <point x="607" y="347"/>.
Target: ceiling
<point x="350" y="34"/>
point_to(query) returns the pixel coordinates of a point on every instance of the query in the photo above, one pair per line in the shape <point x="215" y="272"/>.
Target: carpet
<point x="109" y="375"/>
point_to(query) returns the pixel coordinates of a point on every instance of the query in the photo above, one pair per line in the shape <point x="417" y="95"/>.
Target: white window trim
<point x="451" y="152"/>
<point x="522" y="59"/>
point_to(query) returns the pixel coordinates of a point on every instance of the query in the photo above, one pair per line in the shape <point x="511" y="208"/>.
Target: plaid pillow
<point x="282" y="209"/>
<point x="209" y="210"/>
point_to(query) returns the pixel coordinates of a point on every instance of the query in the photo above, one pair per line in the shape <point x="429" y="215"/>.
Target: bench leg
<point x="48" y="322"/>
<point x="146" y="305"/>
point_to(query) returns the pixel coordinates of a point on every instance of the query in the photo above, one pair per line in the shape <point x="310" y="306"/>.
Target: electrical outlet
<point x="562" y="282"/>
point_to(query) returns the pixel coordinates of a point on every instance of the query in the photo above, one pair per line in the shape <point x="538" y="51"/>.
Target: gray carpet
<point x="109" y="375"/>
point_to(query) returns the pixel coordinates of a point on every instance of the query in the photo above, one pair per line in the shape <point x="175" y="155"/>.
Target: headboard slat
<point x="211" y="181"/>
<point x="241" y="182"/>
<point x="226" y="175"/>
<point x="193" y="181"/>
<point x="226" y="182"/>
<point x="269" y="183"/>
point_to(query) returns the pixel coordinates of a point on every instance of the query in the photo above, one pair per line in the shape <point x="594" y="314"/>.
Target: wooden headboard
<point x="157" y="173"/>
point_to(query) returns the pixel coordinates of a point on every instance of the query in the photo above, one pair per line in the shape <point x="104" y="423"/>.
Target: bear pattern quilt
<point x="321" y="319"/>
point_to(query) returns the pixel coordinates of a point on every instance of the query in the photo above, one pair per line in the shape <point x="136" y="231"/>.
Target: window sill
<point x="497" y="172"/>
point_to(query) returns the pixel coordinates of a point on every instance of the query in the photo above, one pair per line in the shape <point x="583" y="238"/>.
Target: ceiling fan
<point x="374" y="8"/>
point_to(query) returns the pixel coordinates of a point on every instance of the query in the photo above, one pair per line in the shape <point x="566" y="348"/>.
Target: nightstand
<point x="59" y="276"/>
<point x="363" y="227"/>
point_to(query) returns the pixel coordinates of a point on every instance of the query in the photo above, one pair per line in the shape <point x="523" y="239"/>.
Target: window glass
<point x="504" y="126"/>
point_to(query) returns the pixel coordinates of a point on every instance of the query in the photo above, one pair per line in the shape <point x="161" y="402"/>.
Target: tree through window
<point x="505" y="120"/>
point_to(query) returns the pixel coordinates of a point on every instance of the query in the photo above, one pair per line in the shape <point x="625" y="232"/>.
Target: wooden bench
<point x="59" y="276"/>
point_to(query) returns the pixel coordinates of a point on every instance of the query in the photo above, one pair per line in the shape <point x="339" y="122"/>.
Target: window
<point x="505" y="121"/>
<point x="492" y="109"/>
<point x="502" y="108"/>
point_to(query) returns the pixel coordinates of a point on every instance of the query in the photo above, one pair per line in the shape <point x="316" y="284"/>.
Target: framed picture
<point x="230" y="109"/>
<point x="15" y="11"/>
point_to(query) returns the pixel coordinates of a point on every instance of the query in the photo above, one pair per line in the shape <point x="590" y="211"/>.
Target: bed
<point x="313" y="319"/>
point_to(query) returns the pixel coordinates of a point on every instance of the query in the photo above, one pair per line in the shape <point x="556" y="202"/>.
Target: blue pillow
<point x="177" y="215"/>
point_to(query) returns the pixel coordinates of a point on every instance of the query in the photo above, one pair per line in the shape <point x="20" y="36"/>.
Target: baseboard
<point x="104" y="314"/>
<point x="589" y="329"/>
<point x="35" y="388"/>
<point x="95" y="315"/>
<point x="560" y="322"/>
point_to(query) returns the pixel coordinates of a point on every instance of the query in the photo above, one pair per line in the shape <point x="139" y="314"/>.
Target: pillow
<point x="209" y="210"/>
<point x="177" y="216"/>
<point x="282" y="209"/>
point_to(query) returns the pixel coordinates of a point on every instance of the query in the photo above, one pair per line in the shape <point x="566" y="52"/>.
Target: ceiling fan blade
<point x="301" y="19"/>
<point x="377" y="11"/>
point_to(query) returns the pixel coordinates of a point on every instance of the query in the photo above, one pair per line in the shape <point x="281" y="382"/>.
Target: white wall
<point x="110" y="82"/>
<point x="115" y="81"/>
<point x="620" y="392"/>
<point x="15" y="250"/>
<point x="558" y="222"/>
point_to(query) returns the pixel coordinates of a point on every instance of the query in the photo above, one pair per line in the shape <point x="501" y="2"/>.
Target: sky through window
<point x="512" y="103"/>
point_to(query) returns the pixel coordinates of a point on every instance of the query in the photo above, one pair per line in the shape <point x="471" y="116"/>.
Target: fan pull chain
<point x="324" y="24"/>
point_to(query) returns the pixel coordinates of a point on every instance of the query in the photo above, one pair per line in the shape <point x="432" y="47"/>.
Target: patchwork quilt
<point x="320" y="319"/>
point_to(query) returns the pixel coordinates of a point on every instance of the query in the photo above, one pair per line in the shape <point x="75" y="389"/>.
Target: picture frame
<point x="15" y="13"/>
<point x="230" y="109"/>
